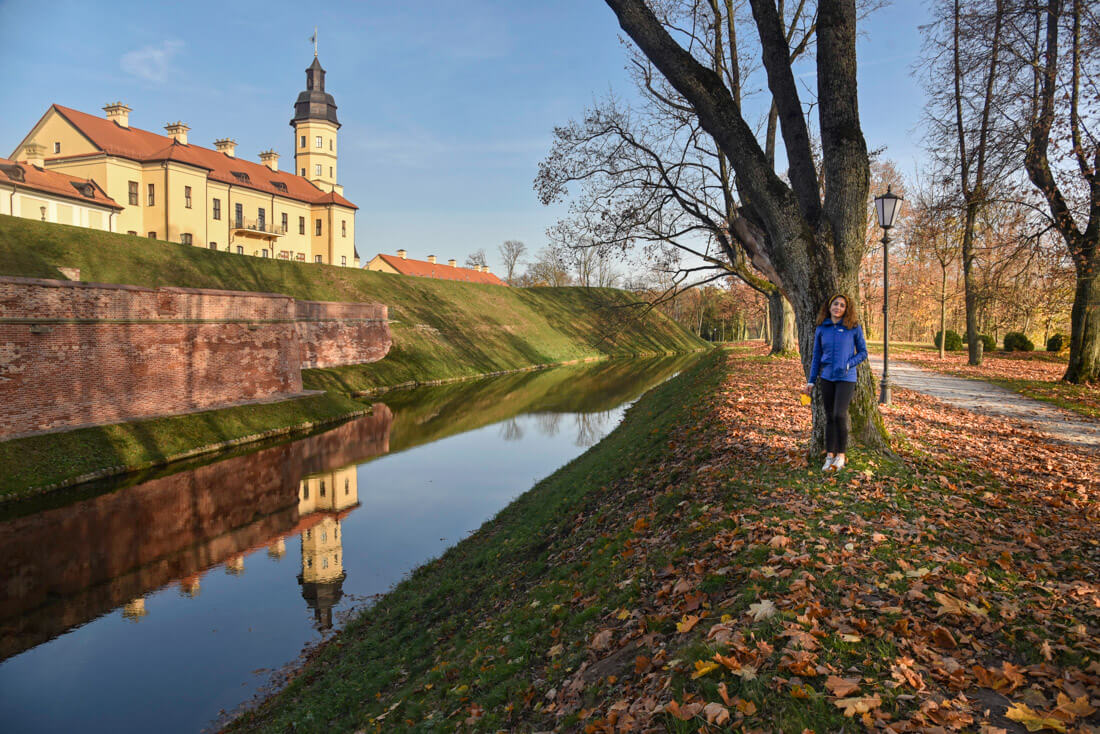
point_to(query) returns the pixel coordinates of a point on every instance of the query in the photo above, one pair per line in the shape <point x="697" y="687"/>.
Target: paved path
<point x="985" y="397"/>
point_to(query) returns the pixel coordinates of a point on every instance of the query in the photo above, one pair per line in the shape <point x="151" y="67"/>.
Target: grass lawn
<point x="689" y="573"/>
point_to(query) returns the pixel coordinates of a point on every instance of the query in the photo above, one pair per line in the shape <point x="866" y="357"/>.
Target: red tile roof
<point x="426" y="269"/>
<point x="146" y="147"/>
<point x="52" y="182"/>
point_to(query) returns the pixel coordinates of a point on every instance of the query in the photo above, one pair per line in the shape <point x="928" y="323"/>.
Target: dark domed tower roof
<point x="314" y="103"/>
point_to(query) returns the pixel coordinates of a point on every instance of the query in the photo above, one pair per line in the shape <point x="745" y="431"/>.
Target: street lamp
<point x="887" y="207"/>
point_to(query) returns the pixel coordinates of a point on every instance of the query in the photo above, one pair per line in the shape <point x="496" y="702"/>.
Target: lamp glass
<point x="887" y="207"/>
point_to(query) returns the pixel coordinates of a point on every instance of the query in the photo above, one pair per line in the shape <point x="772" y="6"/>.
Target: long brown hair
<point x="849" y="318"/>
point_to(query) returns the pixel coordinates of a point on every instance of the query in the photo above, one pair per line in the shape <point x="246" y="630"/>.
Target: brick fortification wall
<point x="333" y="334"/>
<point x="90" y="353"/>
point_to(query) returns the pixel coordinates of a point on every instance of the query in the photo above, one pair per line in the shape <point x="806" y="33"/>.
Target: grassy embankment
<point x="441" y="330"/>
<point x="688" y="573"/>
<point x="1037" y="375"/>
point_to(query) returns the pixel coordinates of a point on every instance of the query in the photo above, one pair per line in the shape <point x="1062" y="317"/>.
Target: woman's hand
<point x="808" y="388"/>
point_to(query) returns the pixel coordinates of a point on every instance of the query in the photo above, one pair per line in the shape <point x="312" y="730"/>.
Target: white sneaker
<point x="838" y="464"/>
<point x="828" y="463"/>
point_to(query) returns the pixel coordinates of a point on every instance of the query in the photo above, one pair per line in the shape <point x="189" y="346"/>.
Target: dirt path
<point x="984" y="397"/>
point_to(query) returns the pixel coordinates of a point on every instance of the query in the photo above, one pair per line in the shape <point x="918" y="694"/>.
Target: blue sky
<point x="447" y="107"/>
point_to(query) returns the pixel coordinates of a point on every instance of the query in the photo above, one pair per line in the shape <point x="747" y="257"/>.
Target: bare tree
<point x="476" y="259"/>
<point x="811" y="236"/>
<point x="512" y="252"/>
<point x="1064" y="97"/>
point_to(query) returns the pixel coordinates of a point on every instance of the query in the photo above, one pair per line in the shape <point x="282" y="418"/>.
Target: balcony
<point x="256" y="228"/>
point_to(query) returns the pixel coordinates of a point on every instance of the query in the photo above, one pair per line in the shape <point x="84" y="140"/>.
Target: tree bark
<point x="781" y="325"/>
<point x="943" y="312"/>
<point x="1084" y="340"/>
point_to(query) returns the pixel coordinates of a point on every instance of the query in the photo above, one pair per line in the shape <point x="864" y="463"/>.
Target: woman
<point x="838" y="347"/>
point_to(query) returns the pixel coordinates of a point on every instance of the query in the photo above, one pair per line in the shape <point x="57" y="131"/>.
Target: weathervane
<point x="314" y="39"/>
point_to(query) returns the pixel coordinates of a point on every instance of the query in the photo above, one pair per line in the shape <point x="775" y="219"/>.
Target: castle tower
<point x="322" y="577"/>
<point x="315" y="127"/>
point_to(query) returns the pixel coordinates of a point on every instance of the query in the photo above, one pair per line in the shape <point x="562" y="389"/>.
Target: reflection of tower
<point x="322" y="576"/>
<point x="134" y="609"/>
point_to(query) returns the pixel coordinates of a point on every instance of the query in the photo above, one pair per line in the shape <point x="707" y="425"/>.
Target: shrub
<point x="988" y="343"/>
<point x="954" y="341"/>
<point x="1017" y="341"/>
<point x="1056" y="343"/>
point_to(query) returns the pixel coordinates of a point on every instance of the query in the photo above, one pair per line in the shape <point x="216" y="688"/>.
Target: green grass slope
<point x="441" y="329"/>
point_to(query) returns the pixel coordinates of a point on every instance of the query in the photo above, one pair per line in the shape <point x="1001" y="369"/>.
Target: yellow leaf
<point x="748" y="708"/>
<point x="858" y="704"/>
<point x="624" y="614"/>
<point x="689" y="621"/>
<point x="1032" y="719"/>
<point x="702" y="668"/>
<point x="1076" y="708"/>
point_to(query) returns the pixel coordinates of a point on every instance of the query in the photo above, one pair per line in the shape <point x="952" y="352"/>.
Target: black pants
<point x="837" y="396"/>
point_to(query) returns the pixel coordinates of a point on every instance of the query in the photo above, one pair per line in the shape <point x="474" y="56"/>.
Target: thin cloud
<point x="152" y="63"/>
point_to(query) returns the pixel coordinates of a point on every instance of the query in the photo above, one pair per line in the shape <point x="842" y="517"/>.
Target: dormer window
<point x="85" y="189"/>
<point x="241" y="176"/>
<point x="279" y="185"/>
<point x="14" y="172"/>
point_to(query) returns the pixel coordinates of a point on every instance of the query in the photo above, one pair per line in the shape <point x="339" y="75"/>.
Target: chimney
<point x="452" y="262"/>
<point x="118" y="113"/>
<point x="431" y="259"/>
<point x="486" y="270"/>
<point x="270" y="159"/>
<point x="401" y="254"/>
<point x="227" y="146"/>
<point x="33" y="153"/>
<point x="178" y="131"/>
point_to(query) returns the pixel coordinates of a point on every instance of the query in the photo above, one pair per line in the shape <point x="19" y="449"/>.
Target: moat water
<point x="162" y="603"/>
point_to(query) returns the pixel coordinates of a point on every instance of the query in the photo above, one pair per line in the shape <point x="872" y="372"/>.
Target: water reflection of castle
<point x="62" y="567"/>
<point x="329" y="497"/>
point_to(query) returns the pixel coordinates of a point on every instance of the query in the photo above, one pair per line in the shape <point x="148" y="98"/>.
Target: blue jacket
<point x="837" y="351"/>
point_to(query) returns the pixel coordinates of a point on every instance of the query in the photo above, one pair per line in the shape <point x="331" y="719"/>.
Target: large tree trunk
<point x="1084" y="341"/>
<point x="943" y="313"/>
<point x="781" y="324"/>
<point x="970" y="288"/>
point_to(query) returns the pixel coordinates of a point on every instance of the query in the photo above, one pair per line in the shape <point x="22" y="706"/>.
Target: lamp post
<point x="887" y="207"/>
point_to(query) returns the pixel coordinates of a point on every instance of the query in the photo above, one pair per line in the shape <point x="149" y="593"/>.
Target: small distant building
<point x="402" y="264"/>
<point x="29" y="191"/>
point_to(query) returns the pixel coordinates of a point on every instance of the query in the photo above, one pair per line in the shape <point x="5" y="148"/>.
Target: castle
<point x="103" y="173"/>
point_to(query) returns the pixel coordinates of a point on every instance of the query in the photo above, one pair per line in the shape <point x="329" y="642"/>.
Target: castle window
<point x="217" y="205"/>
<point x="56" y="148"/>
<point x="330" y="172"/>
<point x="133" y="191"/>
<point x="240" y="251"/>
<point x="186" y="197"/>
<point x="279" y="185"/>
<point x="241" y="176"/>
<point x="263" y="253"/>
<point x="344" y="260"/>
<point x="303" y="142"/>
<point x="317" y="259"/>
<point x="343" y="228"/>
<point x="309" y="561"/>
<point x="317" y="142"/>
<point x="318" y="228"/>
<point x="345" y="486"/>
<point x="238" y="215"/>
<point x="303" y="173"/>
<point x="261" y="219"/>
<point x="132" y="232"/>
<point x="330" y="144"/>
<point x="152" y="195"/>
<point x="185" y="238"/>
<point x="322" y="492"/>
<point x="213" y="245"/>
<point x="301" y="225"/>
<point x="152" y="235"/>
<point x="317" y="169"/>
<point x="324" y="563"/>
<point x="285" y="225"/>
